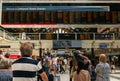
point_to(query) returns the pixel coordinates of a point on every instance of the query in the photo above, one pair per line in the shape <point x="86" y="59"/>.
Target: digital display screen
<point x="60" y="52"/>
<point x="67" y="44"/>
<point x="103" y="45"/>
<point x="58" y="14"/>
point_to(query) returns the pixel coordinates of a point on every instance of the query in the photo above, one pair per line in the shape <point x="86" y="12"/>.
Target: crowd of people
<point x="34" y="68"/>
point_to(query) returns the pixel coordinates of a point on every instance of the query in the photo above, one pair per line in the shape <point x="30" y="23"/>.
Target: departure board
<point x="60" y="17"/>
<point x="84" y="17"/>
<point x="71" y="17"/>
<point x="89" y="15"/>
<point x="95" y="17"/>
<point x="53" y="17"/>
<point x="77" y="18"/>
<point x="41" y="17"/>
<point x="60" y="13"/>
<point x="108" y="19"/>
<point x="118" y="16"/>
<point x="4" y="15"/>
<point x="34" y="17"/>
<point x="22" y="18"/>
<point x="47" y="17"/>
<point x="101" y="17"/>
<point x="66" y="17"/>
<point x="114" y="17"/>
<point x="10" y="17"/>
<point x="28" y="17"/>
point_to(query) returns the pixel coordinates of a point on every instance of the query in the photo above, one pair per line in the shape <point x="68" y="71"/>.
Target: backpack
<point x="51" y="77"/>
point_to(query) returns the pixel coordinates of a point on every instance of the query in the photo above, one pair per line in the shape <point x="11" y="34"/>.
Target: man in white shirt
<point x="55" y="59"/>
<point x="65" y="62"/>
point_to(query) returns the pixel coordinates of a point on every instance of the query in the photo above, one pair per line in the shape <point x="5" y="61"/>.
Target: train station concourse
<point x="60" y="27"/>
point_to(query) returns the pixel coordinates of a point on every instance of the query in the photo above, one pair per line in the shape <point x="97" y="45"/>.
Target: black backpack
<point x="93" y="73"/>
<point x="51" y="77"/>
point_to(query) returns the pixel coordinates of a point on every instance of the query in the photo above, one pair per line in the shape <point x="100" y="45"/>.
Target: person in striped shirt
<point x="26" y="68"/>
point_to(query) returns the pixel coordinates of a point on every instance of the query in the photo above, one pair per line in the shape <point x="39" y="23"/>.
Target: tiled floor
<point x="113" y="76"/>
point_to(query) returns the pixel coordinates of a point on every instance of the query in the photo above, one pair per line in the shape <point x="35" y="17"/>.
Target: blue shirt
<point x="6" y="75"/>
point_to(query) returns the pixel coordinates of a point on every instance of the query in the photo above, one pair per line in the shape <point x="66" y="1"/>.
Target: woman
<point x="80" y="74"/>
<point x="5" y="70"/>
<point x="103" y="69"/>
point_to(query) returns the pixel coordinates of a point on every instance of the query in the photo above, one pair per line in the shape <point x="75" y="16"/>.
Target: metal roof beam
<point x="60" y="1"/>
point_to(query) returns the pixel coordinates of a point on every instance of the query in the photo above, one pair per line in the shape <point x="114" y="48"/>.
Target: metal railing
<point x="70" y="36"/>
<point x="5" y="34"/>
<point x="58" y="36"/>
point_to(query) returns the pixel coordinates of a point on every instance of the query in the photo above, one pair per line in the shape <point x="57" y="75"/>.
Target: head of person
<point x="77" y="56"/>
<point x="102" y="58"/>
<point x="54" y="55"/>
<point x="77" y="52"/>
<point x="7" y="55"/>
<point x="70" y="57"/>
<point x="26" y="49"/>
<point x="5" y="63"/>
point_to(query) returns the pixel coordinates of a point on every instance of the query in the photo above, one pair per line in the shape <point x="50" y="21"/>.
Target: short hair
<point x="102" y="58"/>
<point x="26" y="49"/>
<point x="5" y="63"/>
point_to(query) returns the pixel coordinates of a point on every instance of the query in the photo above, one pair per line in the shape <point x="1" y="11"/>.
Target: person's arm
<point x="85" y="57"/>
<point x="41" y="72"/>
<point x="44" y="76"/>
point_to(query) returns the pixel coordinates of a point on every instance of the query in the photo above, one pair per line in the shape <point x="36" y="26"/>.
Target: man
<point x="26" y="68"/>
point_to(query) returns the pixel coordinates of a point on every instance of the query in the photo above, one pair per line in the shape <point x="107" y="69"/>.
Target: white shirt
<point x="54" y="59"/>
<point x="65" y="61"/>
